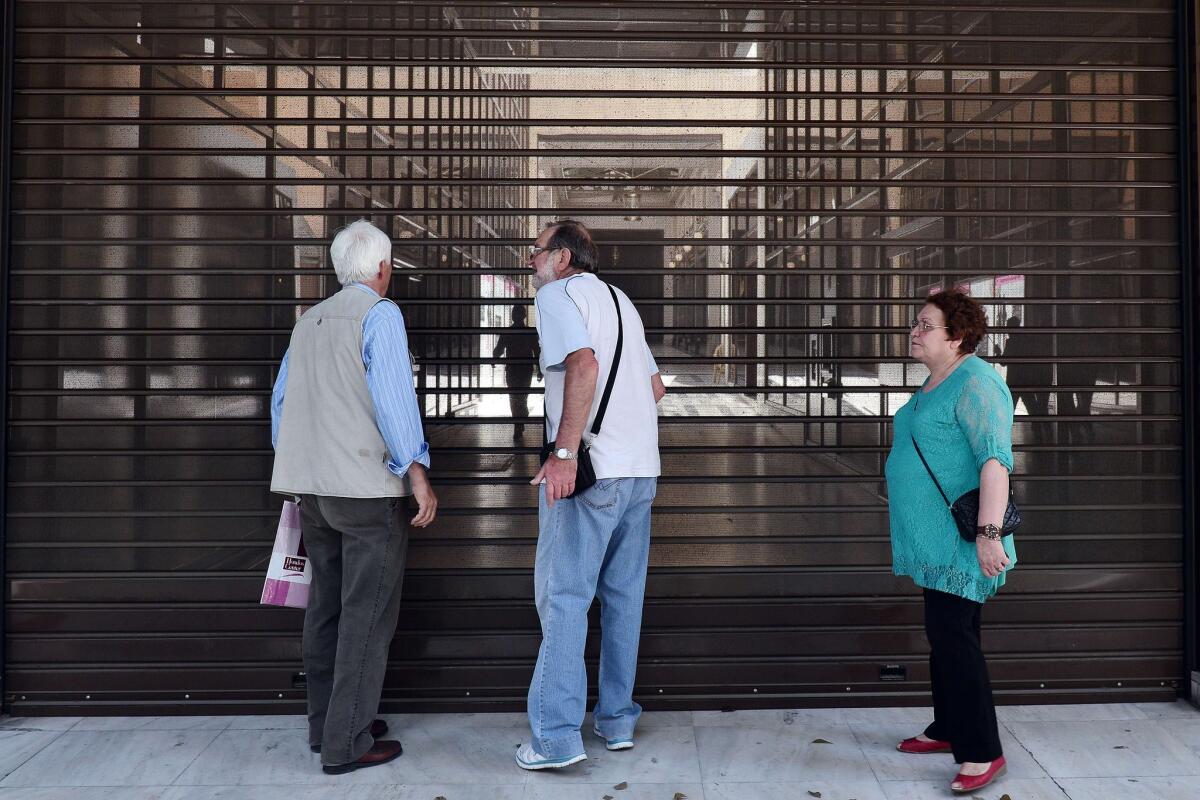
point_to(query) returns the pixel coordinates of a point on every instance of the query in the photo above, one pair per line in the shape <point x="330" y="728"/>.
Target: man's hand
<point x="660" y="389"/>
<point x="579" y="387"/>
<point x="423" y="493"/>
<point x="992" y="558"/>
<point x="559" y="476"/>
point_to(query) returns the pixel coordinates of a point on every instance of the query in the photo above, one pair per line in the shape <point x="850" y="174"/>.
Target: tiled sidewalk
<point x="1086" y="752"/>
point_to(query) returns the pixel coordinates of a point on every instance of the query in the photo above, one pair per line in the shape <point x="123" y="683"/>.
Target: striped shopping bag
<point x="289" y="573"/>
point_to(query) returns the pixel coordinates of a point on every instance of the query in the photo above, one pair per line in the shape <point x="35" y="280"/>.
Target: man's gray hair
<point x="357" y="250"/>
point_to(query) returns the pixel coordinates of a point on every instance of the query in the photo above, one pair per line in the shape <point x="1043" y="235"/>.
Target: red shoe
<point x="915" y="745"/>
<point x="973" y="783"/>
<point x="383" y="751"/>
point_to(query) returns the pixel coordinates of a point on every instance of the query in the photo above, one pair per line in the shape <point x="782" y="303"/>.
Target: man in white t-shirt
<point x="597" y="542"/>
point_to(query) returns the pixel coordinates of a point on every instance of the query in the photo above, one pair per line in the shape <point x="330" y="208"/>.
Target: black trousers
<point x="357" y="548"/>
<point x="963" y="711"/>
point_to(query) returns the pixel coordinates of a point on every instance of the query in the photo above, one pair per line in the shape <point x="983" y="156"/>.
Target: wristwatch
<point x="988" y="532"/>
<point x="564" y="454"/>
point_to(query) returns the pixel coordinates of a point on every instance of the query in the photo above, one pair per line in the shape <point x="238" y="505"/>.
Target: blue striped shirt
<point x="389" y="382"/>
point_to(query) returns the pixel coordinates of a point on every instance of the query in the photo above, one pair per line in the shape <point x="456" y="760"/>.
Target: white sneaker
<point x="528" y="758"/>
<point x="614" y="744"/>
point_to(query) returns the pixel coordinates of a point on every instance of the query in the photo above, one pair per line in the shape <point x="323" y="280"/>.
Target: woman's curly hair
<point x="964" y="317"/>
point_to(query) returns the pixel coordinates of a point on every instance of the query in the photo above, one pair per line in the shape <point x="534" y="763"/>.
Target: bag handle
<point x="612" y="373"/>
<point x="616" y="363"/>
<point x="917" y="447"/>
<point x="921" y="455"/>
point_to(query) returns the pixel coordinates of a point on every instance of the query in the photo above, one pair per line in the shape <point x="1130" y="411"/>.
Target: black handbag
<point x="965" y="509"/>
<point x="585" y="473"/>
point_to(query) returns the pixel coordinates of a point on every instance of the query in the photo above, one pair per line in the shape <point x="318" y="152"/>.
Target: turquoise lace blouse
<point x="964" y="421"/>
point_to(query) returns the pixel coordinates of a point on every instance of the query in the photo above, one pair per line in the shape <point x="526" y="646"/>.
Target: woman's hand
<point x="993" y="498"/>
<point x="992" y="558"/>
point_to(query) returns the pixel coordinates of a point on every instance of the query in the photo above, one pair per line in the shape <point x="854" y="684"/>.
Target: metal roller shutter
<point x="773" y="182"/>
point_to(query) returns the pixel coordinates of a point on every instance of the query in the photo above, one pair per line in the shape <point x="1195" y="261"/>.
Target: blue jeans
<point x="594" y="544"/>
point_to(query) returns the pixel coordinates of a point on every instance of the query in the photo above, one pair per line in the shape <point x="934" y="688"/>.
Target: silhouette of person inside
<point x="1077" y="402"/>
<point x="521" y="342"/>
<point x="1029" y="382"/>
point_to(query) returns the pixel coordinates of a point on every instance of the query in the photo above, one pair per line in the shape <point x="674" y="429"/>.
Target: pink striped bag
<point x="289" y="573"/>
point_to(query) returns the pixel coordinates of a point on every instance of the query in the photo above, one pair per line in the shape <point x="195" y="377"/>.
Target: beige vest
<point x="328" y="441"/>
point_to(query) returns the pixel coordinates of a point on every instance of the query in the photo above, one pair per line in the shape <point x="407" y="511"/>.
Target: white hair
<point x="357" y="250"/>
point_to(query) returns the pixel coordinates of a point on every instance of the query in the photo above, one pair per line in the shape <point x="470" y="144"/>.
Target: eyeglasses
<point x="924" y="327"/>
<point x="534" y="250"/>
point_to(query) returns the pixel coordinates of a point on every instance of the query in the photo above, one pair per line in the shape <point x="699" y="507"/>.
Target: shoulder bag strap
<point x="927" y="469"/>
<point x="612" y="371"/>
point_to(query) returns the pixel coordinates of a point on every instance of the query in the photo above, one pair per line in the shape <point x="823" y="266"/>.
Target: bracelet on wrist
<point x="988" y="532"/>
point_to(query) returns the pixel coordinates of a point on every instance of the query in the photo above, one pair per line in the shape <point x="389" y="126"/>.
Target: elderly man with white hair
<point x="348" y="443"/>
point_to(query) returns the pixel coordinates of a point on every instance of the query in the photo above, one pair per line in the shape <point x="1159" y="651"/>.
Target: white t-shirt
<point x="576" y="313"/>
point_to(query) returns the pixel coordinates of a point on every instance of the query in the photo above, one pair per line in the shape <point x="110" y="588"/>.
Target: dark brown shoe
<point x="378" y="728"/>
<point x="381" y="752"/>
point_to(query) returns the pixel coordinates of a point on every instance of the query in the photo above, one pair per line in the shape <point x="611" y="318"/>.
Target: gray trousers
<point x="357" y="549"/>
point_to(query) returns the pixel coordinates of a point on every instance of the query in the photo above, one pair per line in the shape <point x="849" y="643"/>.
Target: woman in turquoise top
<point x="962" y="419"/>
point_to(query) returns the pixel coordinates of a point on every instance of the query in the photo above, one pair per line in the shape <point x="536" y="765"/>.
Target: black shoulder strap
<point x="616" y="363"/>
<point x="927" y="469"/>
